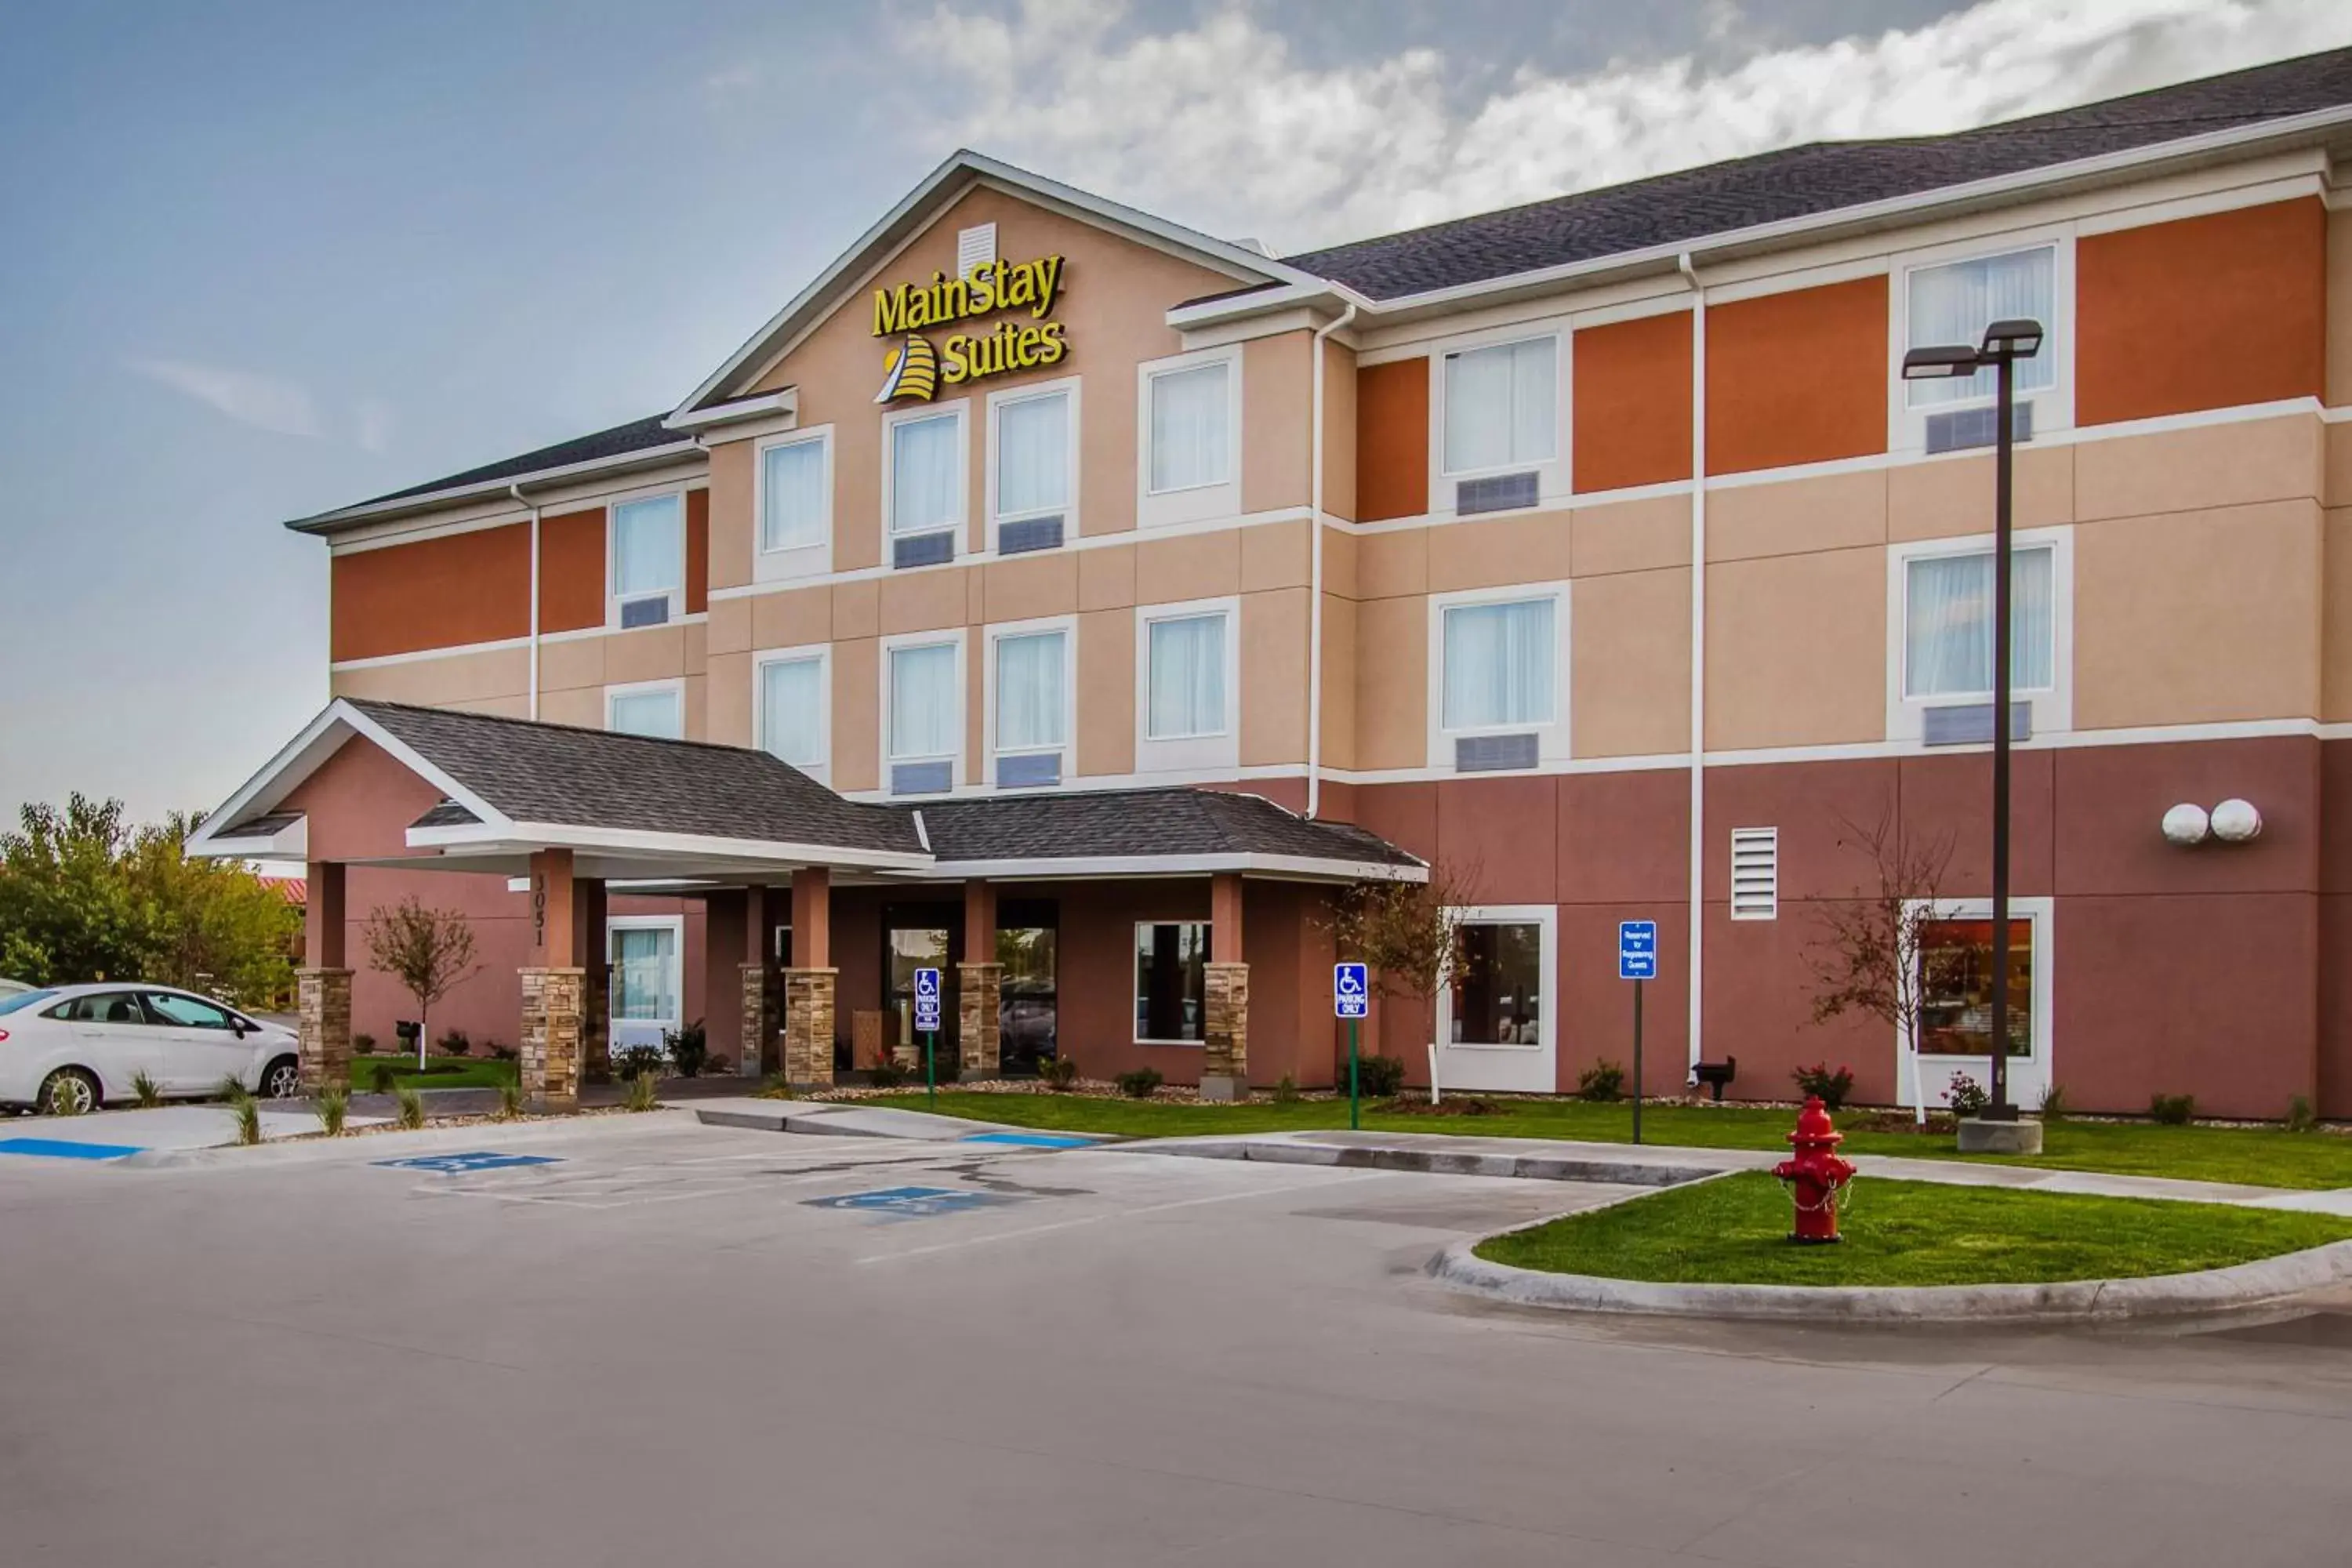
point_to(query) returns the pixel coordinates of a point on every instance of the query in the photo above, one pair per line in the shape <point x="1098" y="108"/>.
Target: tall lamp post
<point x="2005" y="343"/>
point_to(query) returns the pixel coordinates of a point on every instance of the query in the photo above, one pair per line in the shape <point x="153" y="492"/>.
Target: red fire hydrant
<point x="1814" y="1173"/>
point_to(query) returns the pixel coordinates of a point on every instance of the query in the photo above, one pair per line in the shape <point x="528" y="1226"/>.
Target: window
<point x="794" y="495"/>
<point x="648" y="558"/>
<point x="1502" y="406"/>
<point x="1190" y="427"/>
<point x="1500" y="661"/>
<point x="101" y="1007"/>
<point x="792" y="711"/>
<point x="1031" y="691"/>
<point x="925" y="717"/>
<point x="1956" y="988"/>
<point x="1033" y="456"/>
<point x="1172" y="982"/>
<point x="1186" y="685"/>
<point x="1947" y="623"/>
<point x="926" y="474"/>
<point x="1955" y="302"/>
<point x="658" y="709"/>
<point x="174" y="1011"/>
<point x="1495" y="992"/>
<point x="646" y="953"/>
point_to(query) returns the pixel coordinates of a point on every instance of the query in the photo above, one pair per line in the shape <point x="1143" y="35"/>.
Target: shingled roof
<point x="1140" y="823"/>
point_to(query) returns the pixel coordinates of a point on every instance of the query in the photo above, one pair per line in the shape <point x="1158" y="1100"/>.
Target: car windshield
<point x="25" y="999"/>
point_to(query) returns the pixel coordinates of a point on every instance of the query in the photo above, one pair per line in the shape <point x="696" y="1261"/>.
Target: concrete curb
<point x="1438" y="1162"/>
<point x="845" y="1120"/>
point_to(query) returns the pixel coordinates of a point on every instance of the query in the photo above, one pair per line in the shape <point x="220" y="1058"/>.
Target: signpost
<point x="1351" y="999"/>
<point x="926" y="1024"/>
<point x="1637" y="960"/>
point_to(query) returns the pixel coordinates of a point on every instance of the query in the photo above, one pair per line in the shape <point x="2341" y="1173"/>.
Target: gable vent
<point x="1755" y="873"/>
<point x="974" y="246"/>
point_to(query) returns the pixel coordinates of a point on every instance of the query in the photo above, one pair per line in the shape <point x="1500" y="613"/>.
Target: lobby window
<point x="926" y="717"/>
<point x="1494" y="991"/>
<point x="1032" y="470"/>
<point x="926" y="487"/>
<point x="648" y="560"/>
<point x="1502" y="409"/>
<point x="1947" y="623"/>
<point x="1956" y="988"/>
<point x="795" y="495"/>
<point x="1191" y="427"/>
<point x="657" y="709"/>
<point x="1186" y="685"/>
<point x="1032" y="706"/>
<point x="792" y="711"/>
<point x="645" y="957"/>
<point x="1172" y="982"/>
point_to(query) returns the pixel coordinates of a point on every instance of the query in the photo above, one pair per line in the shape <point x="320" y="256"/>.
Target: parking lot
<point x="641" y="1340"/>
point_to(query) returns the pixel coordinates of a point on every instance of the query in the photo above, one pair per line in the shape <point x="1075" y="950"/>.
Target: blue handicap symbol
<point x="66" y="1149"/>
<point x="911" y="1203"/>
<point x="462" y="1165"/>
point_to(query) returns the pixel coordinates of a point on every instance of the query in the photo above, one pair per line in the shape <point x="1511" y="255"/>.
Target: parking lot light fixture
<point x="1941" y="363"/>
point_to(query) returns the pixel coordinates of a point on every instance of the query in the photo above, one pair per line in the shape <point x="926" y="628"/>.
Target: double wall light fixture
<point x="2234" y="821"/>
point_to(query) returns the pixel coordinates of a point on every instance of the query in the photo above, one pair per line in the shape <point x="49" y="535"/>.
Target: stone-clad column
<point x="757" y="1028"/>
<point x="808" y="1027"/>
<point x="1224" y="1063"/>
<point x="552" y="999"/>
<point x="324" y="1000"/>
<point x="979" y="987"/>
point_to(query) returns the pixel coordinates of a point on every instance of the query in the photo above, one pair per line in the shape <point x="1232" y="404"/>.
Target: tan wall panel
<point x="1392" y="683"/>
<point x="572" y="570"/>
<point x="1631" y="535"/>
<point x="1393" y="439"/>
<point x="2336" y="674"/>
<point x="1277" y="392"/>
<point x="1797" y="377"/>
<point x="975" y="710"/>
<point x="651" y="653"/>
<point x="1340" y="550"/>
<point x="1954" y="495"/>
<point x="726" y="698"/>
<point x="729" y="627"/>
<point x="2196" y="617"/>
<point x="2337" y="487"/>
<point x="434" y="682"/>
<point x="1273" y="677"/>
<point x="697" y="636"/>
<point x="1796" y="649"/>
<point x="1025" y="587"/>
<point x="1277" y="555"/>
<point x="857" y="714"/>
<point x="1107" y="578"/>
<point x="1190" y="566"/>
<point x="575" y="662"/>
<point x="437" y="593"/>
<point x="924" y="601"/>
<point x="858" y="609"/>
<point x="1629" y="664"/>
<point x="794" y="618"/>
<point x="1789" y="517"/>
<point x="1632" y="402"/>
<point x="734" y="531"/>
<point x="1490" y="552"/>
<point x="694" y="704"/>
<point x="1338" y="430"/>
<point x="2339" y="308"/>
<point x="1389" y="564"/>
<point x="1339" y="681"/>
<point x="579" y="705"/>
<point x="1107" y="691"/>
<point x="496" y="706"/>
<point x="2205" y="467"/>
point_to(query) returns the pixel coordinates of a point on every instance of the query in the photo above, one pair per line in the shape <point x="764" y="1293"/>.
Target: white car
<point x="66" y="1050"/>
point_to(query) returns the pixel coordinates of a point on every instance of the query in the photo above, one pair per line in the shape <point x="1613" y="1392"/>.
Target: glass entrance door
<point x="919" y="936"/>
<point x="1028" y="945"/>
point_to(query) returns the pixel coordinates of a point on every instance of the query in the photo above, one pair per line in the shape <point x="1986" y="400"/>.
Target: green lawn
<point x="1731" y="1231"/>
<point x="2255" y="1155"/>
<point x="441" y="1072"/>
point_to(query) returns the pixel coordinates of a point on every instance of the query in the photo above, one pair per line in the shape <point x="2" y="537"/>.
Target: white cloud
<point x="264" y="402"/>
<point x="374" y="419"/>
<point x="1218" y="125"/>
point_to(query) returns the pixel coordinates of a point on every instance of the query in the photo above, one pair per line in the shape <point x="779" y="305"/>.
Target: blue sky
<point x="266" y="259"/>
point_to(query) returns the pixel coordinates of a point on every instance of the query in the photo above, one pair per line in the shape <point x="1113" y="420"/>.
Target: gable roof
<point x="1145" y="824"/>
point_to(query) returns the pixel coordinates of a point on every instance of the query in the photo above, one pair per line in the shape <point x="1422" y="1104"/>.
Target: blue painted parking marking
<point x="65" y="1149"/>
<point x="1030" y="1139"/>
<point x="911" y="1203"/>
<point x="462" y="1165"/>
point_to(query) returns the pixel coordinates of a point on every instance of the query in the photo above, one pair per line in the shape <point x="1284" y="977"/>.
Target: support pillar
<point x="595" y="961"/>
<point x="980" y="990"/>
<point x="758" y="1042"/>
<point x="550" y="1035"/>
<point x="325" y="1004"/>
<point x="809" y="983"/>
<point x="1224" y="1061"/>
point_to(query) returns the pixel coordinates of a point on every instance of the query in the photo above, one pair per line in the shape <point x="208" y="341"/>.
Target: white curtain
<point x="656" y="713"/>
<point x="648" y="545"/>
<point x="1499" y="660"/>
<point x="646" y="980"/>
<point x="1187" y="695"/>
<point x="792" y="710"/>
<point x="1956" y="304"/>
<point x="1031" y="704"/>
<point x="924" y="713"/>
<point x="1032" y="455"/>
<point x="924" y="474"/>
<point x="1501" y="406"/>
<point x="1948" y="624"/>
<point x="791" y="495"/>
<point x="1189" y="427"/>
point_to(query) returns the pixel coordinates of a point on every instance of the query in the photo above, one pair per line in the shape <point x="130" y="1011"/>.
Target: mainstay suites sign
<point x="1009" y="289"/>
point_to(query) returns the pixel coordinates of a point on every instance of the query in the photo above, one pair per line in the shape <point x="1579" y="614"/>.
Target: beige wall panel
<point x="1790" y="517"/>
<point x="924" y="601"/>
<point x="2339" y="308"/>
<point x="575" y="662"/>
<point x="1340" y="550"/>
<point x="1028" y="586"/>
<point x="496" y="706"/>
<point x="1954" y="496"/>
<point x="1191" y="566"/>
<point x="1277" y="555"/>
<point x="1390" y="565"/>
<point x="2335" y="630"/>
<point x="1631" y="536"/>
<point x="651" y="653"/>
<point x="858" y="609"/>
<point x="1277" y="391"/>
<point x="975" y="711"/>
<point x="1107" y="691"/>
<point x="1629" y="664"/>
<point x="1392" y="683"/>
<point x="697" y="634"/>
<point x="1796" y="649"/>
<point x="1340" y="679"/>
<point x="1489" y="552"/>
<point x="2195" y="617"/>
<point x="2201" y="467"/>
<point x="794" y="619"/>
<point x="1338" y="430"/>
<point x="696" y="707"/>
<point x="729" y="626"/>
<point x="2340" y="464"/>
<point x="1107" y="578"/>
<point x="580" y="705"/>
<point x="733" y="535"/>
<point x="857" y="714"/>
<point x="727" y="701"/>
<point x="437" y="682"/>
<point x="1273" y="677"/>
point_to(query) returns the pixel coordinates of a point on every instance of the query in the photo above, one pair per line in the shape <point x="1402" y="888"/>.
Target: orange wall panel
<point x="1633" y="403"/>
<point x="437" y="593"/>
<point x="572" y="570"/>
<point x="1798" y="377"/>
<point x="2205" y="312"/>
<point x="1393" y="439"/>
<point x="697" y="551"/>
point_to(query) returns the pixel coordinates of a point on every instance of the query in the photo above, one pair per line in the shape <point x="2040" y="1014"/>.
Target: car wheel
<point x="69" y="1091"/>
<point x="282" y="1079"/>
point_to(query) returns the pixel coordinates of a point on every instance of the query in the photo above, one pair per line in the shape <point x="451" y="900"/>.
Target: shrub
<point x="2300" y="1118"/>
<point x="231" y="1087"/>
<point x="645" y="1092"/>
<point x="1138" y="1084"/>
<point x="363" y="1045"/>
<point x="2172" y="1110"/>
<point x="248" y="1121"/>
<point x="776" y="1085"/>
<point x="149" y="1094"/>
<point x="1602" y="1080"/>
<point x="509" y="1101"/>
<point x="503" y="1053"/>
<point x="886" y="1073"/>
<point x="719" y="1064"/>
<point x="1286" y="1092"/>
<point x="1833" y="1087"/>
<point x="1964" y="1095"/>
<point x="630" y="1063"/>
<point x="381" y="1080"/>
<point x="455" y="1043"/>
<point x="688" y="1049"/>
<point x="333" y="1105"/>
<point x="411" y="1114"/>
<point x="2053" y="1103"/>
<point x="1059" y="1074"/>
<point x="1379" y="1077"/>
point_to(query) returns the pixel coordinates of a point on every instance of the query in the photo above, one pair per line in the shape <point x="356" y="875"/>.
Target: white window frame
<point x="821" y="655"/>
<point x="2054" y="707"/>
<point x="1135" y="981"/>
<point x="961" y="409"/>
<point x="1553" y="737"/>
<point x="2053" y="406"/>
<point x="676" y="926"/>
<point x="795" y="561"/>
<point x="674" y="686"/>
<point x="1524" y="1068"/>
<point x="1069" y="626"/>
<point x="1067" y="388"/>
<point x="1196" y="503"/>
<point x="613" y="596"/>
<point x="2027" y="1076"/>
<point x="1552" y="477"/>
<point x="1189" y="754"/>
<point x="957" y="770"/>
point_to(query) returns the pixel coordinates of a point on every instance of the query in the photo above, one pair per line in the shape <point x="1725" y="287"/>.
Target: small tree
<point x="1408" y="934"/>
<point x="427" y="950"/>
<point x="1871" y="955"/>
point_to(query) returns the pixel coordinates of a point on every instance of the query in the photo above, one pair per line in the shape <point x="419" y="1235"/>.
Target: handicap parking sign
<point x="1350" y="990"/>
<point x="927" y="999"/>
<point x="1637" y="950"/>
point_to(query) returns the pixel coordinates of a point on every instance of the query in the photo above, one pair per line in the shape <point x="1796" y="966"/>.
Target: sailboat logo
<point x="912" y="370"/>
